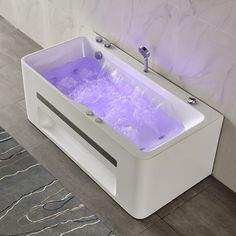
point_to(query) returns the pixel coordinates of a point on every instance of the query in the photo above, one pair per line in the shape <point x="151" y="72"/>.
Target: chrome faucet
<point x="146" y="54"/>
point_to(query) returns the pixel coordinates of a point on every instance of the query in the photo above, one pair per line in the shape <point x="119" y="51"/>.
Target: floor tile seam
<point x="184" y="201"/>
<point x="173" y="228"/>
<point x="155" y="221"/>
<point x="162" y="217"/>
<point x="148" y="227"/>
<point x="26" y="148"/>
<point x="218" y="198"/>
<point x="165" y="217"/>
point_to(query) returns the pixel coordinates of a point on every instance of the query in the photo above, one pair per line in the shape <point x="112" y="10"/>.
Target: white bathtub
<point x="140" y="179"/>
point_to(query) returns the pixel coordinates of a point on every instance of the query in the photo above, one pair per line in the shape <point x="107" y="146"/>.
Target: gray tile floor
<point x="207" y="209"/>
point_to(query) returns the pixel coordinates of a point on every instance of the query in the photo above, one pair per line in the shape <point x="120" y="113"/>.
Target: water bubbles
<point x="68" y="82"/>
<point x="132" y="109"/>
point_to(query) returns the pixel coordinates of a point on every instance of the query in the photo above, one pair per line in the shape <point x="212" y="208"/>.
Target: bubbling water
<point x="106" y="91"/>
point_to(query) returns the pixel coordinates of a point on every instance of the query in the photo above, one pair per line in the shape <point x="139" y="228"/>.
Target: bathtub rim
<point x="209" y="114"/>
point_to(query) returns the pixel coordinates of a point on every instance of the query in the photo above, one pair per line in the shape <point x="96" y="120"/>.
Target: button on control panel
<point x="89" y="113"/>
<point x="98" y="120"/>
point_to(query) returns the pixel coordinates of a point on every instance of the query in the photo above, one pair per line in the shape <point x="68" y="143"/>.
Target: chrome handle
<point x="99" y="39"/>
<point x="98" y="120"/>
<point x="144" y="51"/>
<point x="89" y="113"/>
<point x="192" y="100"/>
<point x="107" y="44"/>
<point x="146" y="54"/>
<point x="98" y="55"/>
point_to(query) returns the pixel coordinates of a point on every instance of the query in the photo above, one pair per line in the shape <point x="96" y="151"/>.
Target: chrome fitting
<point x="107" y="44"/>
<point x="146" y="54"/>
<point x="99" y="39"/>
<point x="192" y="100"/>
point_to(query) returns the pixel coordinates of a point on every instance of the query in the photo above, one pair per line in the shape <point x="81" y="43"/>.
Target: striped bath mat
<point x="33" y="202"/>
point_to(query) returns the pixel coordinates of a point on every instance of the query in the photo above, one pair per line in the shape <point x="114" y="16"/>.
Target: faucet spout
<point x="146" y="54"/>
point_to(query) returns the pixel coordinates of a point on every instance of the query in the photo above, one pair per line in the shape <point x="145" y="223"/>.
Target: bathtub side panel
<point x="116" y="181"/>
<point x="172" y="172"/>
<point x="29" y="82"/>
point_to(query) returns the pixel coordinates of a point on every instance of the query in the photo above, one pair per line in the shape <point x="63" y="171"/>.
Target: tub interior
<point x="137" y="112"/>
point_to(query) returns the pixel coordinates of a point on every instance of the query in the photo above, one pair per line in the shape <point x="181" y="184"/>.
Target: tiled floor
<point x="207" y="209"/>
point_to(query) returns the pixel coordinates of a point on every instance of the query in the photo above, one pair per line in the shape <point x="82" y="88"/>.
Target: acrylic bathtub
<point x="133" y="133"/>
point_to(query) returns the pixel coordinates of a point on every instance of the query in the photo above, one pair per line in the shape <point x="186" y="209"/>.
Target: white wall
<point x="192" y="42"/>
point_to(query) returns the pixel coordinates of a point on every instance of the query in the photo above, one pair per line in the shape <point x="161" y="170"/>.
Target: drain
<point x="161" y="137"/>
<point x="98" y="55"/>
<point x="75" y="71"/>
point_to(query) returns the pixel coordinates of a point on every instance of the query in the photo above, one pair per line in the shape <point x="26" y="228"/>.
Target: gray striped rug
<point x="33" y="202"/>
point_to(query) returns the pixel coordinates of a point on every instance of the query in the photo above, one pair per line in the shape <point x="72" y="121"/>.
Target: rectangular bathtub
<point x="133" y="133"/>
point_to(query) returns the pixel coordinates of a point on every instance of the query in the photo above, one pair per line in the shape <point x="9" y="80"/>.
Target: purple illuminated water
<point x="105" y="91"/>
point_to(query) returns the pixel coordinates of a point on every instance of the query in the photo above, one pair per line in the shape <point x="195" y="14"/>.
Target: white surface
<point x="72" y="144"/>
<point x="142" y="182"/>
<point x="193" y="43"/>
